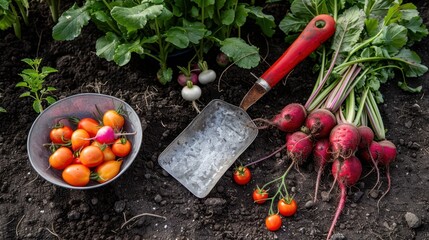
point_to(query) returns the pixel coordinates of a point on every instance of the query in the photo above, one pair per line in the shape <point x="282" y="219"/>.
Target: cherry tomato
<point x="107" y="170"/>
<point x="76" y="160"/>
<point x="113" y="119"/>
<point x="76" y="175"/>
<point x="91" y="156"/>
<point x="61" y="134"/>
<point x="242" y="175"/>
<point x="90" y="125"/>
<point x="287" y="207"/>
<point x="107" y="151"/>
<point x="121" y="147"/>
<point x="273" y="222"/>
<point x="61" y="158"/>
<point x="80" y="139"/>
<point x="260" y="195"/>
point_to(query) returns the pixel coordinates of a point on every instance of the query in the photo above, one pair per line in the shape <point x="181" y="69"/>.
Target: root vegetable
<point x="320" y="122"/>
<point x="367" y="136"/>
<point x="346" y="172"/>
<point x="299" y="147"/>
<point x="344" y="140"/>
<point x="290" y="119"/>
<point x="389" y="155"/>
<point x="321" y="156"/>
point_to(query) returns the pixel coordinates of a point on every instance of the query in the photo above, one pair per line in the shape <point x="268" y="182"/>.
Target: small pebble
<point x="374" y="194"/>
<point x="158" y="198"/>
<point x="357" y="196"/>
<point x="73" y="215"/>
<point x="119" y="206"/>
<point x="401" y="141"/>
<point x="338" y="236"/>
<point x="325" y="196"/>
<point x="94" y="201"/>
<point x="293" y="189"/>
<point x="309" y="204"/>
<point x="415" y="146"/>
<point x="408" y="124"/>
<point x="412" y="220"/>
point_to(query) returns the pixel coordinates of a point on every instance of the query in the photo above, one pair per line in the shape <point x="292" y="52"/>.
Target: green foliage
<point x="157" y="28"/>
<point x="2" y="110"/>
<point x="33" y="80"/>
<point x="11" y="14"/>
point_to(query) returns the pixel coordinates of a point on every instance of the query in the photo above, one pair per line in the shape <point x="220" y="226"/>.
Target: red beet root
<point x="299" y="147"/>
<point x="320" y="123"/>
<point x="347" y="172"/>
<point x="321" y="156"/>
<point x="344" y="139"/>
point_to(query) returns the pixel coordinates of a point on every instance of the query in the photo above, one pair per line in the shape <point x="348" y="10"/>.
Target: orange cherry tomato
<point x="273" y="222"/>
<point x="113" y="119"/>
<point x="287" y="207"/>
<point x="76" y="175"/>
<point x="80" y="139"/>
<point x="121" y="147"/>
<point x="242" y="175"/>
<point x="61" y="134"/>
<point x="107" y="151"/>
<point x="107" y="170"/>
<point x="90" y="125"/>
<point x="260" y="195"/>
<point x="61" y="158"/>
<point x="91" y="156"/>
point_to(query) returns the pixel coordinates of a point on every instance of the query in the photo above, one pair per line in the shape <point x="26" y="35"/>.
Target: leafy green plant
<point x="54" y="7"/>
<point x="2" y="110"/>
<point x="11" y="13"/>
<point x="33" y="80"/>
<point x="157" y="28"/>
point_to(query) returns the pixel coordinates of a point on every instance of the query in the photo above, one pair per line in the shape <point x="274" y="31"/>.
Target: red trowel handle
<point x="308" y="41"/>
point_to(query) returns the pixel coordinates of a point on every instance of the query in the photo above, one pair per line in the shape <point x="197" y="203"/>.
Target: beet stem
<point x="266" y="157"/>
<point x="340" y="208"/>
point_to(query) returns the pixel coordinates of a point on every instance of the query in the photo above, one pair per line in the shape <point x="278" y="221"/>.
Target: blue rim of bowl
<point x="58" y="102"/>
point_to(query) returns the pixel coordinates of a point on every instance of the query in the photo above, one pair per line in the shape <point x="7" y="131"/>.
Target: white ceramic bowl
<point x="79" y="105"/>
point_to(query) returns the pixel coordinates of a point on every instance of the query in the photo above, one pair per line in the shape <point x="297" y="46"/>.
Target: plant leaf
<point x="292" y="24"/>
<point x="37" y="106"/>
<point x="403" y="85"/>
<point x="123" y="52"/>
<point x="243" y="55"/>
<point x="393" y="38"/>
<point x="25" y="94"/>
<point x="50" y="99"/>
<point x="2" y="110"/>
<point x="70" y="23"/>
<point x="264" y="21"/>
<point x="411" y="63"/>
<point x="134" y="18"/>
<point x="106" y="46"/>
<point x="349" y="26"/>
<point x="227" y="17"/>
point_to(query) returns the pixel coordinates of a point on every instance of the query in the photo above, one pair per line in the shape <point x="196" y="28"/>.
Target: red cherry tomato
<point x="287" y="207"/>
<point x="121" y="147"/>
<point x="76" y="175"/>
<point x="242" y="175"/>
<point x="113" y="119"/>
<point x="80" y="139"/>
<point x="260" y="195"/>
<point x="61" y="134"/>
<point x="61" y="158"/>
<point x="107" y="170"/>
<point x="273" y="222"/>
<point x="90" y="125"/>
<point x="91" y="156"/>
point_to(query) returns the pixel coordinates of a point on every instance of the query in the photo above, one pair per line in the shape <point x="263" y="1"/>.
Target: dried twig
<point x="53" y="232"/>
<point x="17" y="226"/>
<point x="140" y="215"/>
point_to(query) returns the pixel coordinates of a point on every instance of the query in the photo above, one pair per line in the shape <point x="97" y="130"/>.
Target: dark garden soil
<point x="32" y="208"/>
